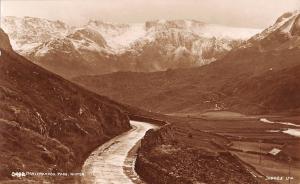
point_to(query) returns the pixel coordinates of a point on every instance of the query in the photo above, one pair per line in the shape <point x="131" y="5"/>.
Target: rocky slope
<point x="167" y="156"/>
<point x="258" y="77"/>
<point x="100" y="47"/>
<point x="48" y="124"/>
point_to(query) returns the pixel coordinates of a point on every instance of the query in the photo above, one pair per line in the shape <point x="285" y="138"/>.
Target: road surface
<point x="108" y="163"/>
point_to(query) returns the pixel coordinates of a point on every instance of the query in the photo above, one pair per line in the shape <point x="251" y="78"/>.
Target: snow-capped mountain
<point x="29" y="32"/>
<point x="162" y="44"/>
<point x="118" y="36"/>
<point x="100" y="47"/>
<point x="177" y="46"/>
<point x="202" y="29"/>
<point x="284" y="34"/>
<point x="123" y="37"/>
<point x="84" y="51"/>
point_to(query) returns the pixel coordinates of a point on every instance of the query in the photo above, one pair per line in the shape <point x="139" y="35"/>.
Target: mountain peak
<point x="286" y="16"/>
<point x="283" y="34"/>
<point x="284" y="24"/>
<point x="295" y="31"/>
<point x="289" y="23"/>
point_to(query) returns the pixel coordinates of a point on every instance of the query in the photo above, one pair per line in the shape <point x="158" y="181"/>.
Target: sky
<point x="237" y="13"/>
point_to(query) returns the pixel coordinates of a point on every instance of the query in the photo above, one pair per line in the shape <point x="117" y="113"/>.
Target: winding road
<point x="113" y="162"/>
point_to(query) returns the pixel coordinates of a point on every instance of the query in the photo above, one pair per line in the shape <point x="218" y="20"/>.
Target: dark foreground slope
<point x="47" y="123"/>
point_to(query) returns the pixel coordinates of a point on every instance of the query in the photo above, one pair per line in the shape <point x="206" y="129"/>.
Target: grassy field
<point x="272" y="167"/>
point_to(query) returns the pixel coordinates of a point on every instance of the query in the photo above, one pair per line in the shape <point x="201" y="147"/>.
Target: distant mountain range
<point x="99" y="47"/>
<point x="260" y="76"/>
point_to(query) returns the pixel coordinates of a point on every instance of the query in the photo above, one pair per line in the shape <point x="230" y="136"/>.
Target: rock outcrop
<point x="164" y="159"/>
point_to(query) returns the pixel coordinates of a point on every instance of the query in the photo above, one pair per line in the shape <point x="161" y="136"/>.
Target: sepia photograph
<point x="150" y="92"/>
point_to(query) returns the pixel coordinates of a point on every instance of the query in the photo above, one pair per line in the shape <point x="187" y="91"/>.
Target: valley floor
<point x="251" y="138"/>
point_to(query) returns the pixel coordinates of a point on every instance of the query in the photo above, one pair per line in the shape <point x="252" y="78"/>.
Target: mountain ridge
<point x="122" y="47"/>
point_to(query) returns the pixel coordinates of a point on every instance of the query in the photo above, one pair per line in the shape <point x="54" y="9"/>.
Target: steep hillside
<point x="226" y="84"/>
<point x="47" y="123"/>
<point x="250" y="79"/>
<point x="278" y="91"/>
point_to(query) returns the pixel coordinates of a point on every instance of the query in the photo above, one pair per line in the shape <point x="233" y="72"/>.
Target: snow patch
<point x="43" y="51"/>
<point x="179" y="52"/>
<point x="275" y="122"/>
<point x="293" y="132"/>
<point x="120" y="37"/>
